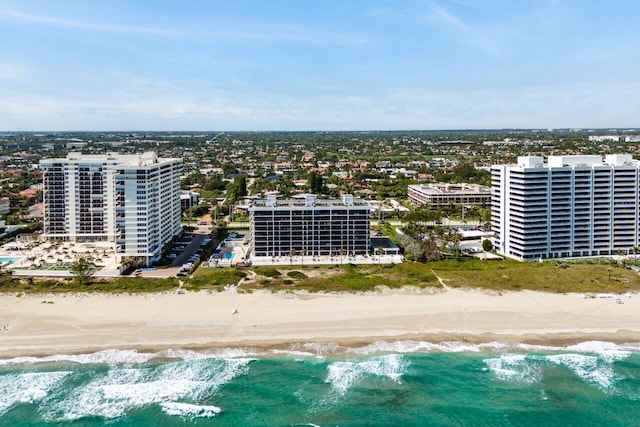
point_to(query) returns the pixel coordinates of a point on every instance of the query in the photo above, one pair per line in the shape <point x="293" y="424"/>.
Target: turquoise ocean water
<point x="397" y="384"/>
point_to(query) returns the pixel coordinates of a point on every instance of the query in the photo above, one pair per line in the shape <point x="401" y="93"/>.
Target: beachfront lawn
<point x="553" y="276"/>
<point x="506" y="275"/>
<point x="340" y="278"/>
<point x="347" y="278"/>
<point x="118" y="285"/>
<point x="209" y="277"/>
<point x="558" y="277"/>
<point x="138" y="284"/>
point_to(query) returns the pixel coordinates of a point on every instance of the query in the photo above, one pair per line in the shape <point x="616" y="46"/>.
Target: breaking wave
<point x="344" y="374"/>
<point x="187" y="410"/>
<point x="122" y="389"/>
<point x="593" y="362"/>
<point x="29" y="387"/>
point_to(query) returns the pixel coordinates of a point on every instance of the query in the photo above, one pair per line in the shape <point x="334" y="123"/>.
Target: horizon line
<point x="541" y="129"/>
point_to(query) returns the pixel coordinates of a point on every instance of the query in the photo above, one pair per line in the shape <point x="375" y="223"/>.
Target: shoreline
<point x="55" y="324"/>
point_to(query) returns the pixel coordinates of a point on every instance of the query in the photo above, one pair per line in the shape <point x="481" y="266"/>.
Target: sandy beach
<point x="78" y="323"/>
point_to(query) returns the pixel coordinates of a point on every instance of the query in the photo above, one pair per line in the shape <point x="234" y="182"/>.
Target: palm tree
<point x="456" y="238"/>
<point x="379" y="252"/>
<point x="303" y="252"/>
<point x="292" y="253"/>
<point x="82" y="270"/>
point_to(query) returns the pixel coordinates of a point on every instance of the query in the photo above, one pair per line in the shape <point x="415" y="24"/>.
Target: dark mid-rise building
<point x="310" y="226"/>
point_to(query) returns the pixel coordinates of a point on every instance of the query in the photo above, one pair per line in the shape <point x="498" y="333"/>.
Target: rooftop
<point x="310" y="200"/>
<point x="145" y="159"/>
<point x="577" y="161"/>
<point x="450" y="188"/>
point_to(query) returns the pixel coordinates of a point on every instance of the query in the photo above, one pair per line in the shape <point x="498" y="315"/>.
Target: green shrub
<point x="296" y="275"/>
<point x="267" y="271"/>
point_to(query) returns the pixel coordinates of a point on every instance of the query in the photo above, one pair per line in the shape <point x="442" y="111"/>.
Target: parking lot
<point x="183" y="254"/>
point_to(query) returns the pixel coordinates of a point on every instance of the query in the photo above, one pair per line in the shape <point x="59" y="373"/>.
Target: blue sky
<point x="318" y="64"/>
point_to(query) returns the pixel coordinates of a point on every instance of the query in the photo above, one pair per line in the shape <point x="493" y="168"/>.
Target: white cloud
<point x="175" y="105"/>
<point x="13" y="72"/>
<point x="277" y="32"/>
<point x="488" y="41"/>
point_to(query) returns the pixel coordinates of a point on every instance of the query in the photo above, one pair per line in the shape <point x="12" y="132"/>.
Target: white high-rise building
<point x="572" y="206"/>
<point x="130" y="200"/>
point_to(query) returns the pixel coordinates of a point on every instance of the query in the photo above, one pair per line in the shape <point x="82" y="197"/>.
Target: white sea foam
<point x="319" y="349"/>
<point x="342" y="375"/>
<point x="187" y="410"/>
<point x="130" y="357"/>
<point x="592" y="361"/>
<point x="630" y="346"/>
<point x="221" y="353"/>
<point x="606" y="350"/>
<point x="294" y="353"/>
<point x="394" y="347"/>
<point x="591" y="369"/>
<point x="123" y="389"/>
<point x="110" y="357"/>
<point x="27" y="388"/>
<point x="444" y="347"/>
<point x="515" y="367"/>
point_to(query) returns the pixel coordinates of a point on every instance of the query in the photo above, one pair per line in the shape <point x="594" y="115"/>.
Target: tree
<point x="487" y="245"/>
<point x="455" y="237"/>
<point x="5" y="277"/>
<point x="411" y="247"/>
<point x="302" y="252"/>
<point x="318" y="187"/>
<point x="82" y="270"/>
<point x="191" y="179"/>
<point x="312" y="182"/>
<point x="430" y="249"/>
<point x="214" y="183"/>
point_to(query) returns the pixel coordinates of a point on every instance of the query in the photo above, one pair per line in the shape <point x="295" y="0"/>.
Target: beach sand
<point x="83" y="323"/>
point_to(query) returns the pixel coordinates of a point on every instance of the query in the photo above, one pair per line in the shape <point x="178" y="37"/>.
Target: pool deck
<point x="31" y="256"/>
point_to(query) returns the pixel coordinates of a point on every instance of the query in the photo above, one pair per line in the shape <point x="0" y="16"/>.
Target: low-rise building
<point x="5" y="206"/>
<point x="188" y="199"/>
<point x="435" y="196"/>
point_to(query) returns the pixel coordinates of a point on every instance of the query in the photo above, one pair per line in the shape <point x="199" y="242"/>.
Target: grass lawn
<point x="120" y="284"/>
<point x="209" y="278"/>
<point x="341" y="278"/>
<point x="464" y="273"/>
<point x="547" y="276"/>
<point x="506" y="275"/>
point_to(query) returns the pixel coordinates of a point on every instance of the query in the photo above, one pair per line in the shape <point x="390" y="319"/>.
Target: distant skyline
<point x="318" y="65"/>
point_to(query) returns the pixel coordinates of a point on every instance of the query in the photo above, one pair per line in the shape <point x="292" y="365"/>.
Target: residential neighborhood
<point x="436" y="187"/>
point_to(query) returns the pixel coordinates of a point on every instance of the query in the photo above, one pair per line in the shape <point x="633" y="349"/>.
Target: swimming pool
<point x="9" y="260"/>
<point x="229" y="255"/>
